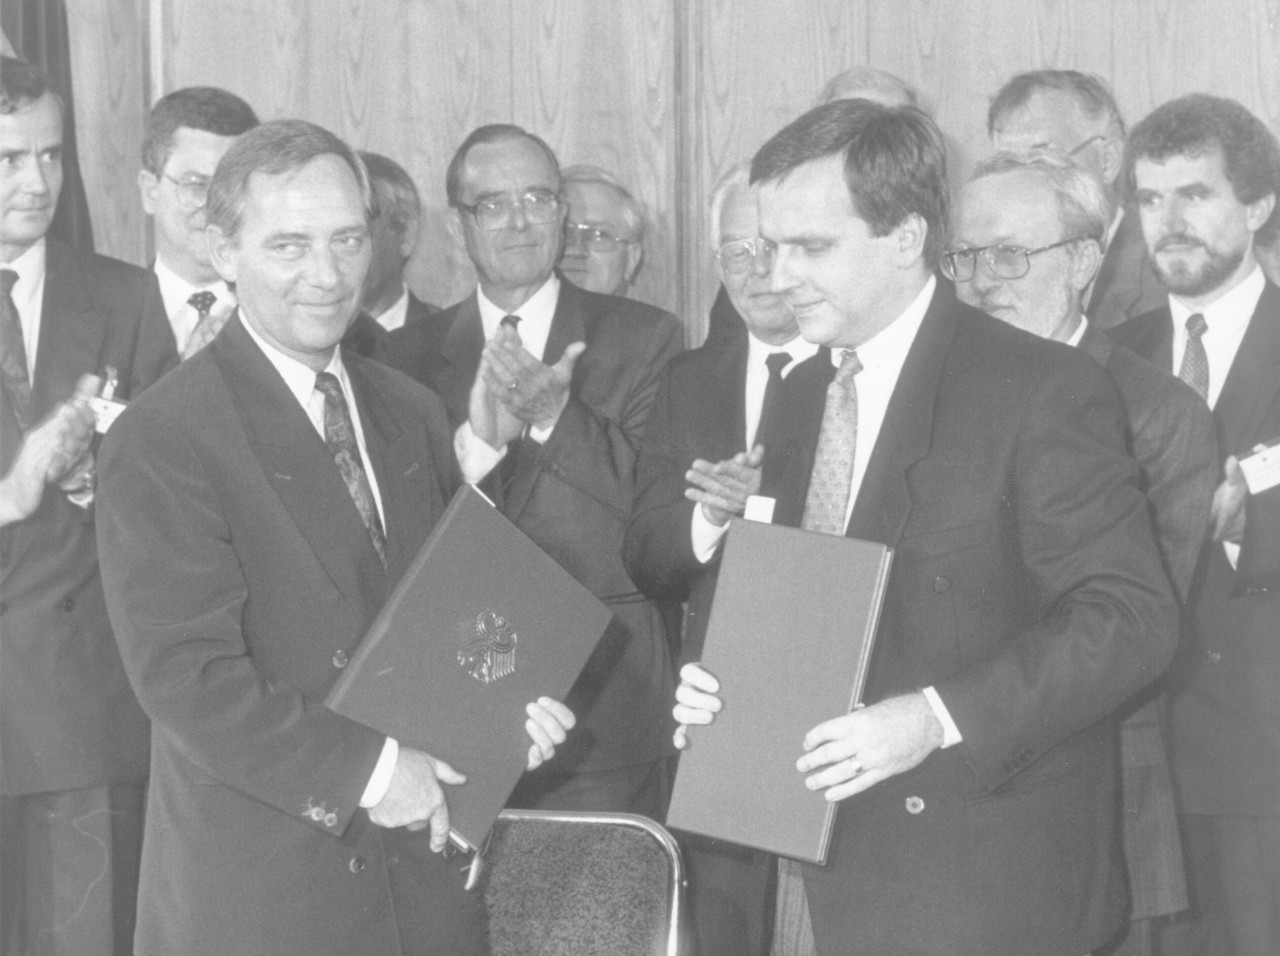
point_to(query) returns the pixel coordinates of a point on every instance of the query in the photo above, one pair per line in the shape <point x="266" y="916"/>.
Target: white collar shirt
<point x="175" y="291"/>
<point x="1226" y="319"/>
<point x="28" y="297"/>
<point x="398" y="312"/>
<point x="535" y="315"/>
<point x="757" y="377"/>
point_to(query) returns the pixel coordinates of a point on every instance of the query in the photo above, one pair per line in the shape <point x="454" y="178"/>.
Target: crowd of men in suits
<point x="1038" y="392"/>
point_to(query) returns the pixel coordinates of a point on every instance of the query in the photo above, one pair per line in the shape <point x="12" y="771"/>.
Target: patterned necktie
<point x="13" y="353"/>
<point x="775" y="362"/>
<point x="824" y="511"/>
<point x="506" y="469"/>
<point x="1195" y="361"/>
<point x="208" y="324"/>
<point x="340" y="436"/>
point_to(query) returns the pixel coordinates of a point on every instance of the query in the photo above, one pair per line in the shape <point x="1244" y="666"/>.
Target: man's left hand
<point x="533" y="392"/>
<point x="549" y="721"/>
<point x="723" y="487"/>
<point x="871" y="744"/>
<point x="1226" y="513"/>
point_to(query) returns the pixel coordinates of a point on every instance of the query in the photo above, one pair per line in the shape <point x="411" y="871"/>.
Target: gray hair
<point x="1083" y="207"/>
<point x="1090" y="92"/>
<point x="736" y="176"/>
<point x="632" y="211"/>
<point x="885" y="87"/>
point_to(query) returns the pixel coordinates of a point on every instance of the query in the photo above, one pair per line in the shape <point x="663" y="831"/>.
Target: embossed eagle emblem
<point x="488" y="648"/>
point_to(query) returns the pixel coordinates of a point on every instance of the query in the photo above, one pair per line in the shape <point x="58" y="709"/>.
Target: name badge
<point x="1262" y="468"/>
<point x="106" y="409"/>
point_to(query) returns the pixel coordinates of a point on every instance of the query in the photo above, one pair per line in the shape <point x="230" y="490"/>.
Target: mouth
<point x="1179" y="244"/>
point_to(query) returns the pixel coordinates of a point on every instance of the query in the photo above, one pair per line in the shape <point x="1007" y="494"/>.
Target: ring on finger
<point x="513" y="386"/>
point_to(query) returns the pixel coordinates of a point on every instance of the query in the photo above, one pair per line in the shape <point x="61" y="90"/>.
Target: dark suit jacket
<point x="572" y="496"/>
<point x="67" y="716"/>
<point x="699" y="413"/>
<point x="1125" y="285"/>
<point x="1225" y="712"/>
<point x="1171" y="437"/>
<point x="240" y="579"/>
<point x="1027" y="589"/>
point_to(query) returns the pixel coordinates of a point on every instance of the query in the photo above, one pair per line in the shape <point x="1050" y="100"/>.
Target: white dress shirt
<point x="28" y="297"/>
<point x="301" y="381"/>
<point x="1226" y="319"/>
<point x="396" y="315"/>
<point x="175" y="291"/>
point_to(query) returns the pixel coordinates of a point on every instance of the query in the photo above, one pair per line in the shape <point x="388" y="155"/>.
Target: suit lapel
<point x="1254" y="378"/>
<point x="460" y="354"/>
<point x="299" y="467"/>
<point x="884" y="501"/>
<point x="1097" y="345"/>
<point x="787" y="468"/>
<point x="71" y="335"/>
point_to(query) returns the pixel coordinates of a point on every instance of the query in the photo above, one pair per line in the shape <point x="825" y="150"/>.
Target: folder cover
<point x="482" y="623"/>
<point x="789" y="638"/>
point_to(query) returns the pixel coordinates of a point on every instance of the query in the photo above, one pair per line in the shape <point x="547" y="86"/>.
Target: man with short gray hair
<point x="604" y="233"/>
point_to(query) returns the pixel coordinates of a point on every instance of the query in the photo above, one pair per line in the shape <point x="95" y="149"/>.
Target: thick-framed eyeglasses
<point x="1005" y="262"/>
<point x="192" y="193"/>
<point x="593" y="238"/>
<point x="539" y="207"/>
<point x="740" y="255"/>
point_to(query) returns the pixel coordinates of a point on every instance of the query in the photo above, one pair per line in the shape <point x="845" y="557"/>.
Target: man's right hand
<point x="696" y="701"/>
<point x="491" y="421"/>
<point x="722" y="488"/>
<point x="49" y="452"/>
<point x="415" y="799"/>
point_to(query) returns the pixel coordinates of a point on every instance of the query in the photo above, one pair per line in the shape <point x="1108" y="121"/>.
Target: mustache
<point x="1181" y="239"/>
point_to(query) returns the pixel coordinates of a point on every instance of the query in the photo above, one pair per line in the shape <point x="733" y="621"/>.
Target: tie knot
<point x="849" y="367"/>
<point x="1196" y="325"/>
<point x="511" y="321"/>
<point x="7" y="280"/>
<point x="202" y="302"/>
<point x="776" y="362"/>
<point x="327" y="385"/>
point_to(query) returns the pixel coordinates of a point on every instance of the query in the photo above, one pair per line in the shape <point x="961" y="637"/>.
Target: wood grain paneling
<point x="666" y="93"/>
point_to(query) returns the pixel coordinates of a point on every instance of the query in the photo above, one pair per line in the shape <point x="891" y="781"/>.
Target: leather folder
<point x="482" y="623"/>
<point x="789" y="638"/>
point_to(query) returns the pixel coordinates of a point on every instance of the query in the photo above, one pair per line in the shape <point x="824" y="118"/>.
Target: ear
<point x="1112" y="151"/>
<point x="1259" y="211"/>
<point x="1086" y="259"/>
<point x="635" y="256"/>
<point x="409" y="238"/>
<point x="909" y="238"/>
<point x="148" y="186"/>
<point x="222" y="253"/>
<point x="453" y="224"/>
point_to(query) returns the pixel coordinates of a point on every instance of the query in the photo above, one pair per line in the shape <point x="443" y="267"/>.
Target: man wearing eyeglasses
<point x="548" y="387"/>
<point x="1075" y="113"/>
<point x="1026" y="243"/>
<point x="187" y="132"/>
<point x="732" y="418"/>
<point x="976" y="789"/>
<point x="604" y="232"/>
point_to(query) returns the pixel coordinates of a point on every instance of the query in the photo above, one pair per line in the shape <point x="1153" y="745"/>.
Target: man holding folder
<point x="1027" y="599"/>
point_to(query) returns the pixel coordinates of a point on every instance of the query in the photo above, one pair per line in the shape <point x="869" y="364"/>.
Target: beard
<point x="1183" y="278"/>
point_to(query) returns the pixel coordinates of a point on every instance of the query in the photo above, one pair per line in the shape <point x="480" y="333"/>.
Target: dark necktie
<point x="776" y="362"/>
<point x="1195" y="361"/>
<point x="824" y="511"/>
<point x="506" y="469"/>
<point x="208" y="325"/>
<point x="340" y="436"/>
<point x="13" y="353"/>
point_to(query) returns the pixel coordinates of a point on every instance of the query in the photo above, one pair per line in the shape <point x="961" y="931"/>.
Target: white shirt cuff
<point x="380" y="782"/>
<point x="476" y="457"/>
<point x="950" y="732"/>
<point x="706" y="536"/>
<point x="540" y="435"/>
<point x="1233" y="553"/>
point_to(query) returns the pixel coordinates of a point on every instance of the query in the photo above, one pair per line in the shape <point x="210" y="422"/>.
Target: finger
<point x="562" y="714"/>
<point x="416" y="826"/>
<point x="689" y="714"/>
<point x="681" y="737"/>
<point x="570" y="357"/>
<point x="699" y="677"/>
<point x="534" y="760"/>
<point x="839" y="772"/>
<point x="541" y="739"/>
<point x="439" y="821"/>
<point x="864" y="781"/>
<point x="697" y="699"/>
<point x="445" y="773"/>
<point x="834" y="729"/>
<point x="87" y="386"/>
<point x="829" y="753"/>
<point x="756" y="457"/>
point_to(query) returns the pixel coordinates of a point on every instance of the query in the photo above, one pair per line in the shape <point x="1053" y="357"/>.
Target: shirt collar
<point x="536" y="313"/>
<point x="300" y="378"/>
<point x="890" y="345"/>
<point x="1074" y="339"/>
<point x="1235" y="308"/>
<point x="396" y="313"/>
<point x="797" y="348"/>
<point x="30" y="267"/>
<point x="176" y="290"/>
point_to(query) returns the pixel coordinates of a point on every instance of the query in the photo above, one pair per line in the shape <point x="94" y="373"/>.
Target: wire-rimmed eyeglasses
<point x="739" y="255"/>
<point x="539" y="207"/>
<point x="192" y="193"/>
<point x="1005" y="262"/>
<point x="593" y="238"/>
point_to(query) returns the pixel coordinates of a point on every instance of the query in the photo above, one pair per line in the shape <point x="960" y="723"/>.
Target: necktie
<point x="512" y="322"/>
<point x="13" y="353"/>
<point x="506" y="469"/>
<point x="1195" y="361"/>
<point x="340" y="436"/>
<point x="208" y="324"/>
<point x="824" y="511"/>
<point x="776" y="362"/>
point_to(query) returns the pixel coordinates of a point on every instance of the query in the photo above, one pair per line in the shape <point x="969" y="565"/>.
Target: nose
<point x="574" y="241"/>
<point x="322" y="268"/>
<point x="1172" y="218"/>
<point x="983" y="279"/>
<point x="778" y="265"/>
<point x="35" y="179"/>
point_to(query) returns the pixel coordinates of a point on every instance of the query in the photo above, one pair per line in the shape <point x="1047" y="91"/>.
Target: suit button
<point x="340" y="660"/>
<point x="331" y="820"/>
<point x="914" y="805"/>
<point x="68" y="603"/>
<point x="316" y="814"/>
<point x="941" y="585"/>
<point x="356" y="865"/>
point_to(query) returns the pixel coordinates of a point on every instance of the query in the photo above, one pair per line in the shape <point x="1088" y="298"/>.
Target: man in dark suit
<point x="1027" y="600"/>
<point x="1075" y="112"/>
<point x="716" y="424"/>
<point x="548" y="387"/>
<point x="1026" y="244"/>
<point x="73" y="741"/>
<point x="255" y="511"/>
<point x="187" y="132"/>
<point x="387" y="298"/>
<point x="1205" y="174"/>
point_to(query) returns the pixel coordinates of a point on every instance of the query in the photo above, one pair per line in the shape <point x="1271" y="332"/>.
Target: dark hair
<point x="21" y="84"/>
<point x="895" y="162"/>
<point x="493" y="133"/>
<point x="1090" y="92"/>
<point x="204" y="108"/>
<point x="397" y="195"/>
<point x="274" y="148"/>
<point x="1197" y="124"/>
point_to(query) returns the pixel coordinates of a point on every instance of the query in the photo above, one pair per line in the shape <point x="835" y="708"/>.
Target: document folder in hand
<point x="482" y="623"/>
<point x="789" y="638"/>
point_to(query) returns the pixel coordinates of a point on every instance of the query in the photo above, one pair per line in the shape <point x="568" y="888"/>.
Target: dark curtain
<point x="37" y="29"/>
